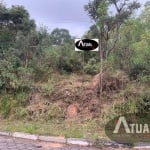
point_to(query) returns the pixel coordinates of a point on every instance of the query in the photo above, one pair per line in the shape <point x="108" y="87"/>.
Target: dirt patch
<point x="73" y="110"/>
<point x="110" y="82"/>
<point x="80" y="97"/>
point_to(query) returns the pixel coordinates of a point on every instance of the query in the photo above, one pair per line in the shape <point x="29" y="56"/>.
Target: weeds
<point x="9" y="103"/>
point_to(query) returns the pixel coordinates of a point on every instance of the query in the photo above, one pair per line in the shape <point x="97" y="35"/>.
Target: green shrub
<point x="5" y="106"/>
<point x="92" y="67"/>
<point x="13" y="76"/>
<point x="143" y="103"/>
<point x="48" y="87"/>
<point x="55" y="112"/>
<point x="9" y="103"/>
<point x="61" y="58"/>
<point x="31" y="128"/>
<point x="128" y="107"/>
<point x="22" y="99"/>
<point x="69" y="61"/>
<point x="145" y="79"/>
<point x="21" y="113"/>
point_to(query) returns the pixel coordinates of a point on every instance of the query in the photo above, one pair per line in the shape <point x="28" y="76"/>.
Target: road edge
<point x="63" y="140"/>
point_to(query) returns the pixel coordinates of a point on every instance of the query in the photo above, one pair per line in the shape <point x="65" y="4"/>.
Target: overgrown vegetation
<point x="41" y="74"/>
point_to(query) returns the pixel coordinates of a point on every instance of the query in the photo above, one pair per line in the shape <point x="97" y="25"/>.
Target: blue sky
<point x="67" y="14"/>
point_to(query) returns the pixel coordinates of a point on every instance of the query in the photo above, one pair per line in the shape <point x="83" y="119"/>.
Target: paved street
<point x="9" y="143"/>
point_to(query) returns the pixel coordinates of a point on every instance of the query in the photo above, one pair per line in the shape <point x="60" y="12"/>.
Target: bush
<point x="145" y="79"/>
<point x="12" y="75"/>
<point x="9" y="103"/>
<point x="137" y="71"/>
<point x="69" y="61"/>
<point x="61" y="58"/>
<point x="48" y="88"/>
<point x="41" y="72"/>
<point x="127" y="107"/>
<point x="140" y="104"/>
<point x="21" y="113"/>
<point x="55" y="112"/>
<point x="143" y="104"/>
<point x="5" y="106"/>
<point x="92" y="67"/>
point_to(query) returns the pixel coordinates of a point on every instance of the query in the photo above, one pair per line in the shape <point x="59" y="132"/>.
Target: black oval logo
<point x="86" y="44"/>
<point x="129" y="128"/>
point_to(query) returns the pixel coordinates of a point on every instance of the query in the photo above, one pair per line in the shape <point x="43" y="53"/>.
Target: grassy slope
<point x="80" y="127"/>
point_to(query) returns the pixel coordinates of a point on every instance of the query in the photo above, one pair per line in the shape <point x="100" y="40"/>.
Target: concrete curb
<point x="5" y="133"/>
<point x="142" y="145"/>
<point x="62" y="140"/>
<point x="53" y="139"/>
<point x="70" y="141"/>
<point x="24" y="136"/>
<point x="76" y="141"/>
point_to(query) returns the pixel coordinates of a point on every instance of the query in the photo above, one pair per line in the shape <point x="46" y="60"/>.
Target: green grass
<point x="76" y="129"/>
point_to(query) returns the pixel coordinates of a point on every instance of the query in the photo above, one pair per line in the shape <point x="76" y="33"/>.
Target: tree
<point x="141" y="59"/>
<point x="129" y="34"/>
<point x="16" y="19"/>
<point x="146" y="13"/>
<point x="60" y="36"/>
<point x="21" y="19"/>
<point x="15" y="25"/>
<point x="108" y="24"/>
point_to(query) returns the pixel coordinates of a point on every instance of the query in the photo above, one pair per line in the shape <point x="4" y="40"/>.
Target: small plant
<point x="55" y="112"/>
<point x="92" y="67"/>
<point x="31" y="128"/>
<point x="48" y="88"/>
<point x="145" y="79"/>
<point x="128" y="107"/>
<point x="143" y="104"/>
<point x="5" y="106"/>
<point x="22" y="98"/>
<point x="21" y="113"/>
<point x="9" y="103"/>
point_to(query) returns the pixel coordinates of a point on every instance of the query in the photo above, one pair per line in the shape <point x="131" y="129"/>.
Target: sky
<point x="68" y="14"/>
